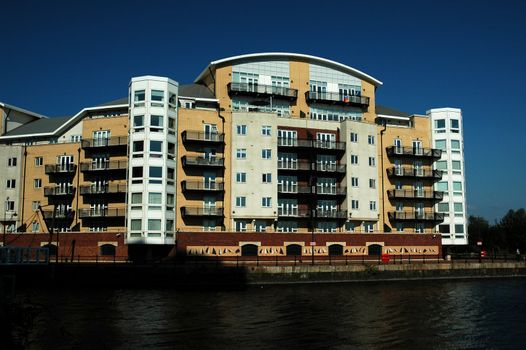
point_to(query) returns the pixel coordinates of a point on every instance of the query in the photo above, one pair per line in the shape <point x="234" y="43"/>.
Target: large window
<point x="455" y="145"/>
<point x="440" y="144"/>
<point x="441" y="165"/>
<point x="156" y="146"/>
<point x="458" y="207"/>
<point x="138" y="121"/>
<point x="155" y="174"/>
<point x="157" y="98"/>
<point x="456" y="166"/>
<point x="442" y="186"/>
<point x="154" y="224"/>
<point x="138" y="98"/>
<point x="457" y="187"/>
<point x="443" y="207"/>
<point x="154" y="201"/>
<point x="156" y="122"/>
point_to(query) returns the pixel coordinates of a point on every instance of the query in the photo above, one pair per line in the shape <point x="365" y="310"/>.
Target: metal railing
<point x="102" y="212"/>
<point x="420" y="194"/>
<point x="260" y="89"/>
<point x="60" y="168"/>
<point x="332" y="168"/>
<point x="203" y="161"/>
<point x="415" y="216"/>
<point x="106" y="189"/>
<point x="59" y="214"/>
<point x="336" y="191"/>
<point x="293" y="165"/>
<point x="414" y="151"/>
<point x="304" y="143"/>
<point x="59" y="191"/>
<point x="415" y="172"/>
<point x="191" y="135"/>
<point x="294" y="212"/>
<point x="105" y="142"/>
<point x="294" y="188"/>
<point x="202" y="186"/>
<point x="328" y="213"/>
<point x="104" y="166"/>
<point x="202" y="211"/>
<point x="338" y="98"/>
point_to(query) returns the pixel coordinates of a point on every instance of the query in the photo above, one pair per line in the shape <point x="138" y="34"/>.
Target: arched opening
<point x="52" y="248"/>
<point x="374" y="249"/>
<point x="107" y="249"/>
<point x="335" y="249"/>
<point x="249" y="250"/>
<point x="293" y="250"/>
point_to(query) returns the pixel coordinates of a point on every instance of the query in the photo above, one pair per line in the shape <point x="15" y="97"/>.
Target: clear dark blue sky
<point x="57" y="57"/>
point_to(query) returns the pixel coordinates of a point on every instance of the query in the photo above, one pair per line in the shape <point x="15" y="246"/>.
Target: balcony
<point x="113" y="165"/>
<point x="202" y="186"/>
<point x="102" y="213"/>
<point x="101" y="190"/>
<point x="331" y="168"/>
<point x="415" y="194"/>
<point x="331" y="214"/>
<point x="294" y="212"/>
<point x="304" y="143"/>
<point x="53" y="169"/>
<point x="57" y="191"/>
<point x="415" y="216"/>
<point x="412" y="172"/>
<point x="294" y="165"/>
<point x="117" y="141"/>
<point x="337" y="99"/>
<point x="201" y="211"/>
<point x="199" y="136"/>
<point x="246" y="89"/>
<point x="293" y="189"/>
<point x="432" y="153"/>
<point x="203" y="161"/>
<point x="331" y="191"/>
<point x="59" y="214"/>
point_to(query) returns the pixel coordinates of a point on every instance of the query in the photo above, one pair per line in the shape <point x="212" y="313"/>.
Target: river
<point x="467" y="314"/>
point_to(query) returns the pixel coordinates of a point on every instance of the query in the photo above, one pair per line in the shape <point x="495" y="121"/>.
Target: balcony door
<point x="249" y="82"/>
<point x="287" y="207"/>
<point x="98" y="208"/>
<point x="288" y="184"/>
<point x="210" y="132"/>
<point x="418" y="168"/>
<point x="99" y="185"/>
<point x="209" y="178"/>
<point x="419" y="189"/>
<point x="417" y="147"/>
<point x="419" y="210"/>
<point x="209" y="202"/>
<point x="318" y="88"/>
<point x="287" y="160"/>
<point x="325" y="162"/>
<point x="326" y="185"/>
<point x="398" y="146"/>
<point x="287" y="137"/>
<point x="100" y="162"/>
<point x="398" y="167"/>
<point x="63" y="187"/>
<point x="327" y="206"/>
<point x="100" y="138"/>
<point x="64" y="162"/>
<point x="325" y="140"/>
<point x="210" y="154"/>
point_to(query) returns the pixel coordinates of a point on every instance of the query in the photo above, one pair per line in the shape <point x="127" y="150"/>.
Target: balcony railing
<point x="59" y="191"/>
<point x="203" y="161"/>
<point x="106" y="189"/>
<point x="337" y="98"/>
<point x="294" y="212"/>
<point x="415" y="216"/>
<point x="202" y="186"/>
<point x="102" y="213"/>
<point x="200" y="136"/>
<point x="331" y="214"/>
<point x="201" y="211"/>
<point x="59" y="214"/>
<point x="303" y="143"/>
<point x="262" y="90"/>
<point x="104" y="166"/>
<point x="414" y="152"/>
<point x="335" y="191"/>
<point x="116" y="141"/>
<point x="415" y="172"/>
<point x="294" y="189"/>
<point x="293" y="165"/>
<point x="416" y="194"/>
<point x="331" y="168"/>
<point x="60" y="168"/>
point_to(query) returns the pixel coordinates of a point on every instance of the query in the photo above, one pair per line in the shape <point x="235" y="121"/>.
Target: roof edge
<point x="40" y="116"/>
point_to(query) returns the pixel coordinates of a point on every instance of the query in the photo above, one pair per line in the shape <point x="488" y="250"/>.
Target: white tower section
<point x="447" y="131"/>
<point x="152" y="166"/>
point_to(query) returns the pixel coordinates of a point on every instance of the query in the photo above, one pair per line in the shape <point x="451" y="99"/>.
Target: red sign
<point x="312" y="243"/>
<point x="483" y="254"/>
<point x="385" y="258"/>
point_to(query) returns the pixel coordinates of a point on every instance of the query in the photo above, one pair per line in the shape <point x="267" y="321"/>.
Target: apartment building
<point x="270" y="142"/>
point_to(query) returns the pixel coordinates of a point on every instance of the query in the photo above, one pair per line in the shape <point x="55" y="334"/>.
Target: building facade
<point x="270" y="143"/>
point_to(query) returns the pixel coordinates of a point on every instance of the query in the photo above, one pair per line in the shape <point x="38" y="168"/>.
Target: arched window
<point x="335" y="249"/>
<point x="107" y="249"/>
<point x="293" y="250"/>
<point x="374" y="249"/>
<point x="52" y="248"/>
<point x="249" y="250"/>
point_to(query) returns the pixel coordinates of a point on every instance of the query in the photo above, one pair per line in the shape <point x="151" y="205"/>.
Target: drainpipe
<point x="223" y="227"/>
<point x="23" y="183"/>
<point x="383" y="175"/>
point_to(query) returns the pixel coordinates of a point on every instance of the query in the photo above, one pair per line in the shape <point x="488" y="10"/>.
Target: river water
<point x="468" y="314"/>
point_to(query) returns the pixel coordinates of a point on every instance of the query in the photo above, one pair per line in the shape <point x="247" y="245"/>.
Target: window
<point x="154" y="200"/>
<point x="10" y="205"/>
<point x="266" y="153"/>
<point x="372" y="161"/>
<point x="135" y="224"/>
<point x="372" y="205"/>
<point x="454" y="125"/>
<point x="349" y="226"/>
<point x="138" y="146"/>
<point x="171" y="123"/>
<point x="459" y="228"/>
<point x="370" y="139"/>
<point x="458" y="207"/>
<point x="266" y="178"/>
<point x="137" y="171"/>
<point x="419" y="228"/>
<point x="443" y="229"/>
<point x="11" y="161"/>
<point x="157" y="98"/>
<point x="442" y="186"/>
<point x="372" y="183"/>
<point x="241" y="202"/>
<point x="241" y="153"/>
<point x="138" y="98"/>
<point x="399" y="206"/>
<point x="241" y="177"/>
<point x="170" y="173"/>
<point x="440" y="124"/>
<point x="37" y="183"/>
<point x="170" y="200"/>
<point x="443" y="207"/>
<point x="354" y="137"/>
<point x="368" y="226"/>
<point x="189" y="105"/>
<point x="241" y="129"/>
<point x="399" y="227"/>
<point x="455" y="145"/>
<point x="156" y="121"/>
<point x="441" y="165"/>
<point x="136" y="201"/>
<point x="260" y="226"/>
<point x="154" y="224"/>
<point x="155" y="172"/>
<point x="266" y="202"/>
<point x="457" y="187"/>
<point x="171" y="148"/>
<point x="35" y="226"/>
<point x="156" y="146"/>
<point x="354" y="159"/>
<point x="169" y="226"/>
<point x="39" y="161"/>
<point x="138" y="121"/>
<point x="76" y="138"/>
<point x="440" y="144"/>
<point x="35" y="205"/>
<point x="355" y="204"/>
<point x="354" y="181"/>
<point x="266" y="130"/>
<point x="455" y="165"/>
<point x="11" y="183"/>
<point x="241" y="226"/>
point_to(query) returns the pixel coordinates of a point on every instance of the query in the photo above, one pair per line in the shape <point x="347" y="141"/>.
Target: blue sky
<point x="58" y="57"/>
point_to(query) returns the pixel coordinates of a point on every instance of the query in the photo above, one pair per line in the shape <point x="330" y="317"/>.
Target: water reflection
<point x="430" y="314"/>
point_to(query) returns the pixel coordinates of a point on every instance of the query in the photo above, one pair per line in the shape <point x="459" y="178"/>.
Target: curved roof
<point x="353" y="71"/>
